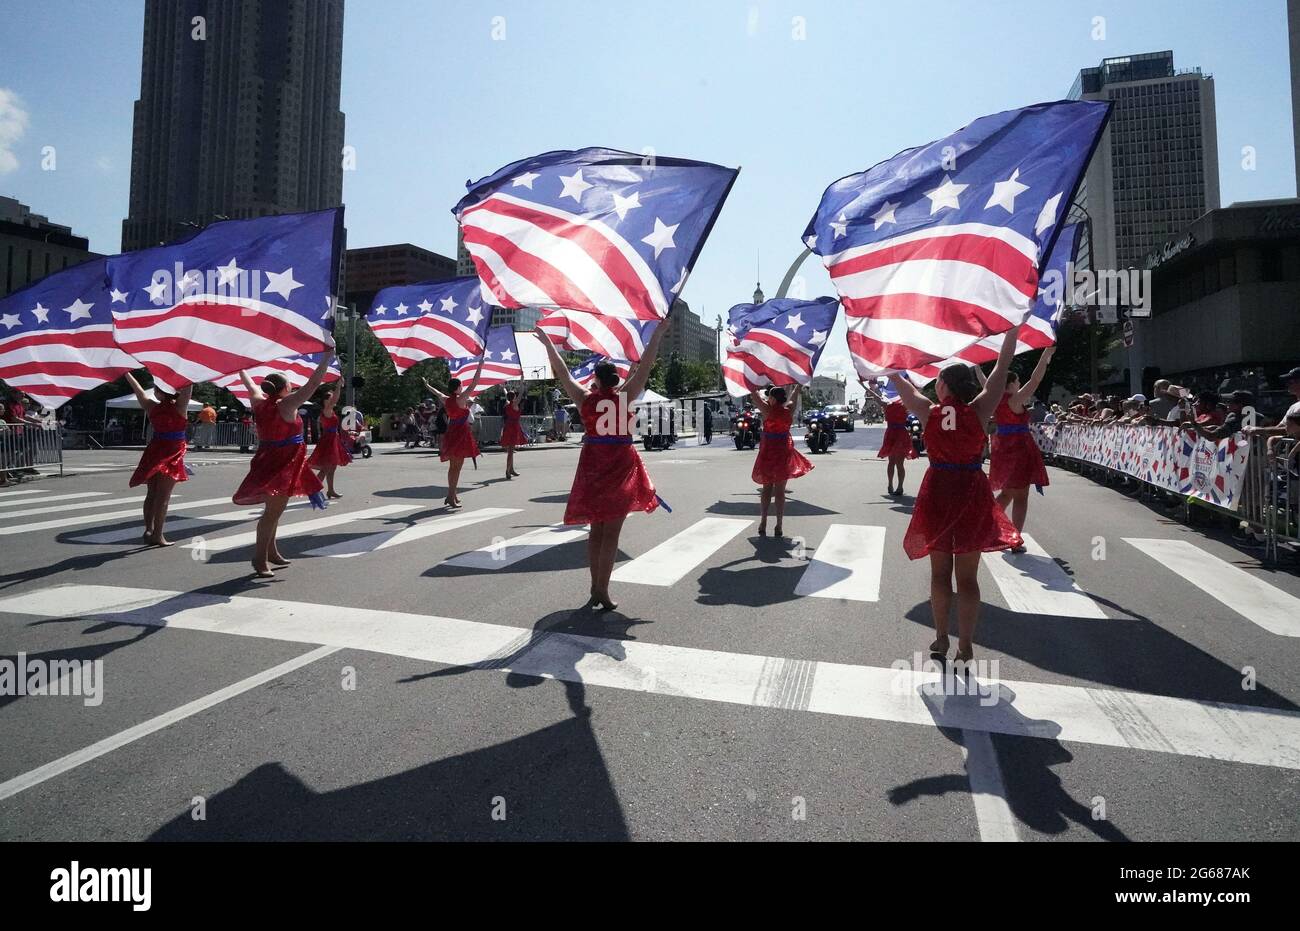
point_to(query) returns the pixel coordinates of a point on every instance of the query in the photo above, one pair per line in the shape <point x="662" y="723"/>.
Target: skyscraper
<point x="238" y="114"/>
<point x="1157" y="166"/>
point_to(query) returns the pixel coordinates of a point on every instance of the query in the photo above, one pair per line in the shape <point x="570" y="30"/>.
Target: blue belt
<point x="963" y="466"/>
<point x="896" y="426"/>
<point x="330" y="430"/>
<point x="609" y="440"/>
<point x="1004" y="429"/>
<point x="457" y="421"/>
<point x="276" y="444"/>
<point x="170" y="435"/>
<point x="776" y="436"/>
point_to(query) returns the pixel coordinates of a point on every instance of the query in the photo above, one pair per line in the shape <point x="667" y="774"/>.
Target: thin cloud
<point x="13" y="123"/>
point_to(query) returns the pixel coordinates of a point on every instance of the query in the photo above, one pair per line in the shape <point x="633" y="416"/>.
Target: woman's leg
<point x="327" y="476"/>
<point x="967" y="566"/>
<point x="902" y="474"/>
<point x="267" y="525"/>
<point x="779" y="489"/>
<point x="889" y="471"/>
<point x="162" y="487"/>
<point x="453" y="478"/>
<point x="275" y="509"/>
<point x="1004" y="499"/>
<point x="941" y="596"/>
<point x="150" y="496"/>
<point x="1019" y="506"/>
<point x="594" y="538"/>
<point x="765" y="499"/>
<point x="609" y="553"/>
<point x="510" y="461"/>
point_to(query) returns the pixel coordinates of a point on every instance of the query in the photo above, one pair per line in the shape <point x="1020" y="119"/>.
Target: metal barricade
<point x="216" y="435"/>
<point x="23" y="447"/>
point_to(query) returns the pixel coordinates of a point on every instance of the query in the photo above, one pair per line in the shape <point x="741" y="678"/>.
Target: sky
<point x="797" y="93"/>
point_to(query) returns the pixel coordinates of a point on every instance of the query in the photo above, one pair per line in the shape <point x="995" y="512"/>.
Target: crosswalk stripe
<point x="1254" y="599"/>
<point x="846" y="565"/>
<point x="668" y="562"/>
<point x="104" y="518"/>
<point x="388" y="538"/>
<point x="24" y="491"/>
<point x="183" y="525"/>
<point x="1069" y="713"/>
<point x="1034" y="583"/>
<point x="62" y="765"/>
<point x="80" y="494"/>
<point x="236" y="540"/>
<point x="988" y="791"/>
<point x="78" y="506"/>
<point x="500" y="555"/>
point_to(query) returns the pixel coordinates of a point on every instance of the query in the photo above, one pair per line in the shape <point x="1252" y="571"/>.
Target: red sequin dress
<point x="332" y="448"/>
<point x="512" y="434"/>
<point x="955" y="511"/>
<point x="165" y="454"/>
<point x="898" y="439"/>
<point x="611" y="481"/>
<point x="778" y="460"/>
<point x="458" y="442"/>
<point x="1014" y="459"/>
<point x="279" y="466"/>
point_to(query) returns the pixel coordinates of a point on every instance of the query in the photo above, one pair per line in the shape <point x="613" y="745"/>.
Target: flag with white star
<point x="500" y="361"/>
<point x="584" y="374"/>
<point x="296" y="369"/>
<point x="431" y="320"/>
<point x="56" y="336"/>
<point x="595" y="230"/>
<point x="941" y="246"/>
<point x="236" y="294"/>
<point x="777" y="342"/>
<point x="612" y="337"/>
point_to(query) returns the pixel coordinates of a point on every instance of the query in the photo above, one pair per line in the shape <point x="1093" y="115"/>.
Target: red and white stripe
<point x="297" y="370"/>
<point x="624" y="369"/>
<point x="204" y="337"/>
<point x="925" y="296"/>
<point x="529" y="254"/>
<point x="429" y="336"/>
<point x="1036" y="333"/>
<point x="493" y="374"/>
<point x="54" y="365"/>
<point x="611" y="337"/>
<point x="762" y="357"/>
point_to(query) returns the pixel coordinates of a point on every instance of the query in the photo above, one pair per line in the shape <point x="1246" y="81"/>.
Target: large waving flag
<point x="296" y="369"/>
<point x="234" y="295"/>
<point x="941" y="246"/>
<point x="595" y="230"/>
<point x="777" y="342"/>
<point x="500" y="361"/>
<point x="584" y="374"/>
<point x="56" y="336"/>
<point x="1039" y="330"/>
<point x="613" y="337"/>
<point x="431" y="320"/>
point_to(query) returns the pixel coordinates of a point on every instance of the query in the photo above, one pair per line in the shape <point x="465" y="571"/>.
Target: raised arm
<point x="254" y="392"/>
<point x="1028" y="388"/>
<point x="146" y="403"/>
<point x="987" y="400"/>
<point x="636" y="381"/>
<point x="467" y="391"/>
<point x="295" y="399"/>
<point x="979" y="374"/>
<point x="759" y="401"/>
<point x="432" y="390"/>
<point x="183" y="398"/>
<point x="561" y="371"/>
<point x="912" y="399"/>
<point x="332" y="400"/>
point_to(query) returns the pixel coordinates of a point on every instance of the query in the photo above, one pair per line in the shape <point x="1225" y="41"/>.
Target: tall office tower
<point x="1157" y="166"/>
<point x="1293" y="30"/>
<point x="238" y="114"/>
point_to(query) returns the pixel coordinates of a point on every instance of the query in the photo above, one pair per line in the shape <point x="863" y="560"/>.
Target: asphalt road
<point x="415" y="675"/>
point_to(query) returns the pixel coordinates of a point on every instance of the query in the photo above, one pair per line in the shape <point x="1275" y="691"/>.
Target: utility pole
<point x="355" y="321"/>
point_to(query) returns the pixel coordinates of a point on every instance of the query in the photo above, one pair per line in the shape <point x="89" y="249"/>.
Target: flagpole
<point x="352" y="354"/>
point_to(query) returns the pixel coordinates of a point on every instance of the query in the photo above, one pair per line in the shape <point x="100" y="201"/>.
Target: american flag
<point x="500" y="361"/>
<point x="234" y="295"/>
<point x="777" y="342"/>
<point x="297" y="369"/>
<point x="941" y="245"/>
<point x="1039" y="330"/>
<point x="56" y="336"/>
<point x="614" y="337"/>
<point x="595" y="230"/>
<point x="431" y="320"/>
<point x="584" y="374"/>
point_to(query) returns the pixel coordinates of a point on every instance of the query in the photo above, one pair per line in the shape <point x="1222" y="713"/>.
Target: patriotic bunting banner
<point x="595" y="230"/>
<point x="584" y="374"/>
<point x="612" y="337"/>
<point x="431" y="320"/>
<point x="777" y="342"/>
<point x="236" y="294"/>
<point x="296" y="369"/>
<point x="500" y="361"/>
<point x="56" y="336"/>
<point x="940" y="246"/>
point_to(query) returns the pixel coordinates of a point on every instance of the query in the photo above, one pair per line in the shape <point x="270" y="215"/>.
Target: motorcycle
<point x="820" y="433"/>
<point x="917" y="433"/>
<point x="744" y="428"/>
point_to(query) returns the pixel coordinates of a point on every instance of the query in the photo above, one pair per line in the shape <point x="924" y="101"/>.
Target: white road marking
<point x="62" y="765"/>
<point x="846" y="565"/>
<point x="24" y="491"/>
<point x="78" y="506"/>
<point x="80" y="494"/>
<point x="517" y="549"/>
<point x="1254" y="599"/>
<point x="105" y="518"/>
<point x="236" y="540"/>
<point x="668" y="562"/>
<point x="1034" y="583"/>
<point x="431" y="527"/>
<point x="183" y="525"/>
<point x="988" y="792"/>
<point x="1069" y="713"/>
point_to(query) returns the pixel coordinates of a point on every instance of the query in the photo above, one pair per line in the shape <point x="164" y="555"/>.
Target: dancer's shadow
<point x="1035" y="794"/>
<point x="554" y="649"/>
<point x="753" y="508"/>
<point x="766" y="583"/>
<point x="71" y="564"/>
<point x="554" y="498"/>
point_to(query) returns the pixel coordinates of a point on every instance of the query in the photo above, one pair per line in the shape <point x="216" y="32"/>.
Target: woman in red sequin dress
<point x="332" y="448"/>
<point x="1015" y="462"/>
<point x="896" y="446"/>
<point x="778" y="461"/>
<point x="458" y="444"/>
<point x="163" y="463"/>
<point x="512" y="434"/>
<point x="611" y="481"/>
<point x="955" y="518"/>
<point x="279" y="468"/>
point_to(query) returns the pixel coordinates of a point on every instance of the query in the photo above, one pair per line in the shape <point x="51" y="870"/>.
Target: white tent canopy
<point x="651" y="397"/>
<point x="128" y="402"/>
